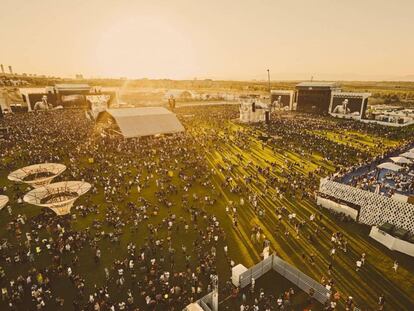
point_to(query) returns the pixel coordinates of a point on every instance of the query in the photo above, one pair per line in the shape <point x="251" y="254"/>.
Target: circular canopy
<point x="390" y="166"/>
<point x="59" y="196"/>
<point x="409" y="155"/>
<point x="38" y="174"/>
<point x="3" y="201"/>
<point x="400" y="160"/>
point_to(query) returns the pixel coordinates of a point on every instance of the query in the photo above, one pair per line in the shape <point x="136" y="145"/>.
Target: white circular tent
<point x="37" y="175"/>
<point x="408" y="155"/>
<point x="3" y="201"/>
<point x="401" y="160"/>
<point x="390" y="166"/>
<point x="59" y="196"/>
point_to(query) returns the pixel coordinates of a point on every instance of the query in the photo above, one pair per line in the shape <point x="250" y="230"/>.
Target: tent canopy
<point x="3" y="201"/>
<point x="194" y="307"/>
<point x="409" y="155"/>
<point x="145" y="121"/>
<point x="390" y="166"/>
<point x="400" y="160"/>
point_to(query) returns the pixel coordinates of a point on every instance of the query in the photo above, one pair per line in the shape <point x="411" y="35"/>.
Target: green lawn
<point x="226" y="154"/>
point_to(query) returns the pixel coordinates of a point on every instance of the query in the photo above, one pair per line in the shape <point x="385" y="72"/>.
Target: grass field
<point x="236" y="151"/>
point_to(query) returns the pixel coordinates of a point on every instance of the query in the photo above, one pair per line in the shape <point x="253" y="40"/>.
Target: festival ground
<point x="244" y="175"/>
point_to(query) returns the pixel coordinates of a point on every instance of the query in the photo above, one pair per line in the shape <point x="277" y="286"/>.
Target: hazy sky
<point x="223" y="39"/>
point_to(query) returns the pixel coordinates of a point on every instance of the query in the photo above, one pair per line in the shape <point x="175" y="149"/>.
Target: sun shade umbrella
<point x="401" y="160"/>
<point x="390" y="166"/>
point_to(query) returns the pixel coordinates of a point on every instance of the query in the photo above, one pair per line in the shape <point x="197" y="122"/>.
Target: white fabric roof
<point x="145" y="121"/>
<point x="3" y="201"/>
<point x="409" y="155"/>
<point x="390" y="166"/>
<point x="400" y="160"/>
<point x="194" y="307"/>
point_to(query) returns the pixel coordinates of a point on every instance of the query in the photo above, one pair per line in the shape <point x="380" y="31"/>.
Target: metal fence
<point x="206" y="302"/>
<point x="204" y="306"/>
<point x="256" y="271"/>
<point x="294" y="275"/>
<point x="300" y="279"/>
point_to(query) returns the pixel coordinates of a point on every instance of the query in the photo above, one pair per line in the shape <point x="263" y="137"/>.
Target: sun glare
<point x="145" y="47"/>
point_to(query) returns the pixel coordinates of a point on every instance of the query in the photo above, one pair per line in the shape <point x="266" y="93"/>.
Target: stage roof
<point x="145" y="121"/>
<point x="332" y="85"/>
<point x="72" y="87"/>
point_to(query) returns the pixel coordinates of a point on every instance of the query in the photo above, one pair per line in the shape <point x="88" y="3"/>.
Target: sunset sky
<point x="221" y="39"/>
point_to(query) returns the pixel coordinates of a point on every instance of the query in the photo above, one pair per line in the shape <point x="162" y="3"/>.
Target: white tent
<point x="390" y="166"/>
<point x="145" y="121"/>
<point x="3" y="201"/>
<point x="400" y="160"/>
<point x="194" y="307"/>
<point x="409" y="155"/>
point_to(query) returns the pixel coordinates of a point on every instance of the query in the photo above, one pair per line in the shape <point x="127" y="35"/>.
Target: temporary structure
<point x="194" y="307"/>
<point x="390" y="166"/>
<point x="145" y="121"/>
<point x="3" y="201"/>
<point x="409" y="155"/>
<point x="59" y="196"/>
<point x="401" y="160"/>
<point x="37" y="175"/>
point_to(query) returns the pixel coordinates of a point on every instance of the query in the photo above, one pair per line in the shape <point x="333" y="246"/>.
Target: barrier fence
<point x="301" y="280"/>
<point x="297" y="277"/>
<point x="206" y="302"/>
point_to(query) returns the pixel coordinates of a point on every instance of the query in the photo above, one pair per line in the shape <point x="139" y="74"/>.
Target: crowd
<point x="147" y="236"/>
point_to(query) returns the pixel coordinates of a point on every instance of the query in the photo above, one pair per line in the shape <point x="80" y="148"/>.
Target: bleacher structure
<point x="374" y="209"/>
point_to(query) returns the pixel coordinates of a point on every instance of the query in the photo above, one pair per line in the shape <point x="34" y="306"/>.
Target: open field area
<point x="191" y="204"/>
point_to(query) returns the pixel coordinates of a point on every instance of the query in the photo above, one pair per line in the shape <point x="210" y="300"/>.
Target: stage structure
<point x="282" y="100"/>
<point x="138" y="122"/>
<point x="59" y="197"/>
<point x="37" y="175"/>
<point x="4" y="199"/>
<point x="350" y="105"/>
<point x="321" y="98"/>
<point x="315" y="97"/>
<point x="65" y="96"/>
<point x="252" y="110"/>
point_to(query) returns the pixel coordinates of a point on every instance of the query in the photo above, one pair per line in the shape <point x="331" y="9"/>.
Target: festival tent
<point x="144" y="121"/>
<point x="3" y="201"/>
<point x="400" y="160"/>
<point x="390" y="166"/>
<point x="409" y="155"/>
<point x="194" y="307"/>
